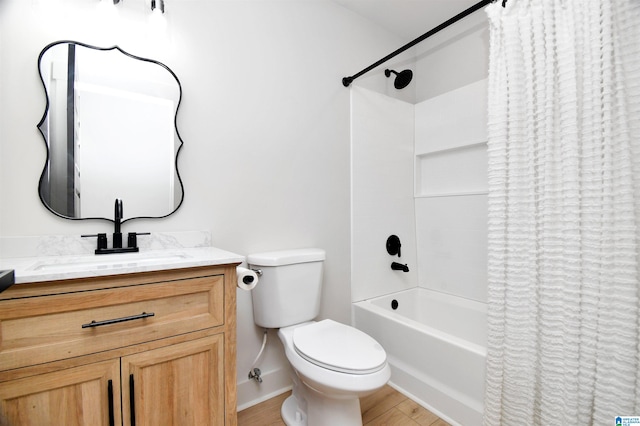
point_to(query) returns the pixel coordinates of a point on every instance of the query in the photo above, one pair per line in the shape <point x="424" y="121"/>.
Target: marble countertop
<point x="48" y="268"/>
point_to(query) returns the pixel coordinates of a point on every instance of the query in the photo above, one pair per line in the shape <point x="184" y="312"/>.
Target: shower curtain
<point x="564" y="212"/>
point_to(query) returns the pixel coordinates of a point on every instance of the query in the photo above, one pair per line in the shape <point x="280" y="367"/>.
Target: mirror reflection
<point x="110" y="130"/>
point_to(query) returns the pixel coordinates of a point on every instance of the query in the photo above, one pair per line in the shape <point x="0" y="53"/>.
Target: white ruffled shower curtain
<point x="564" y="212"/>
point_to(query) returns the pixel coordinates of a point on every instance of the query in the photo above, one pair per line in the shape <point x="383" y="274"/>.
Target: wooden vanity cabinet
<point x="155" y="348"/>
<point x="81" y="395"/>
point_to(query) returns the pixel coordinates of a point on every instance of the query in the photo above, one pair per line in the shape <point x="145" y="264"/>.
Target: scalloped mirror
<point x="111" y="133"/>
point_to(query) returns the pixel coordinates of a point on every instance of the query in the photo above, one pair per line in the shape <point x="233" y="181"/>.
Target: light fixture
<point x="156" y="4"/>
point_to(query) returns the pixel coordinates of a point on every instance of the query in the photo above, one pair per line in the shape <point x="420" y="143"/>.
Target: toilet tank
<point x="288" y="292"/>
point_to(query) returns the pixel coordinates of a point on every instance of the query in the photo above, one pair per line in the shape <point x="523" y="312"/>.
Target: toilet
<point x="334" y="364"/>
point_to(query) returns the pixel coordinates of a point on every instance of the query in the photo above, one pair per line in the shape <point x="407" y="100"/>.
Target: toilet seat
<point x="339" y="347"/>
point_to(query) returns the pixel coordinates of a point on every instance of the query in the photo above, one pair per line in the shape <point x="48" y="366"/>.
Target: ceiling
<point x="407" y="18"/>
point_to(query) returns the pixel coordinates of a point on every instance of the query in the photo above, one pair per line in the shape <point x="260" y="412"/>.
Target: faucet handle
<point x="132" y="240"/>
<point x="393" y="245"/>
<point x="102" y="240"/>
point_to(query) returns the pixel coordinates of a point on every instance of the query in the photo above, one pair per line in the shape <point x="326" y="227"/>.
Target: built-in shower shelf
<point x="451" y="194"/>
<point x="460" y="170"/>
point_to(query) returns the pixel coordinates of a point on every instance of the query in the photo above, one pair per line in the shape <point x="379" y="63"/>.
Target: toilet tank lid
<point x="286" y="257"/>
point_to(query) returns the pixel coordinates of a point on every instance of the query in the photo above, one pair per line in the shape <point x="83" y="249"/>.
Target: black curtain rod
<point x="346" y="81"/>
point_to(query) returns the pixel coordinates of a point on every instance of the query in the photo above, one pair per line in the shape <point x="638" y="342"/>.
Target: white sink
<point x="107" y="261"/>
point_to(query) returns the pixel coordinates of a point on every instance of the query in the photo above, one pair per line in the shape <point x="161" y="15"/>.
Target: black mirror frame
<point x="46" y="142"/>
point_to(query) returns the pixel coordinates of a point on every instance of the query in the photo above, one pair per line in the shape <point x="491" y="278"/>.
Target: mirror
<point x="110" y="129"/>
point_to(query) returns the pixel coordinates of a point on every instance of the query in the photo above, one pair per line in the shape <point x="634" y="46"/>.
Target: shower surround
<point x="419" y="172"/>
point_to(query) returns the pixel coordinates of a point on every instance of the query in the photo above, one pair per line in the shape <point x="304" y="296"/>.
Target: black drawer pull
<point x="117" y="320"/>
<point x="132" y="401"/>
<point x="111" y="409"/>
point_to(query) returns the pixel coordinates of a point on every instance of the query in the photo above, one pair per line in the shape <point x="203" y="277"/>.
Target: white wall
<point x="264" y="119"/>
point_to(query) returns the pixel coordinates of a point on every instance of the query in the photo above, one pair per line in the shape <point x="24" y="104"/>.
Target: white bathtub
<point x="436" y="345"/>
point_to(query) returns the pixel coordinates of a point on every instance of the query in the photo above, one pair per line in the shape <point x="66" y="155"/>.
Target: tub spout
<point x="399" y="267"/>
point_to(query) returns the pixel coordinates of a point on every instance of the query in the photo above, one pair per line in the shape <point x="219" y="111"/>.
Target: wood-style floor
<point x="385" y="407"/>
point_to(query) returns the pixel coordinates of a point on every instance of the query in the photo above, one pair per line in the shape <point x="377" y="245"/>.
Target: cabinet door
<point x="88" y="395"/>
<point x="181" y="384"/>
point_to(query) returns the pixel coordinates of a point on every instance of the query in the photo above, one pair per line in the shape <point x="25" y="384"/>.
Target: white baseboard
<point x="273" y="384"/>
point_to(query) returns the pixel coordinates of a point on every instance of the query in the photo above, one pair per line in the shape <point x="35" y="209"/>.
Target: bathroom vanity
<point x="127" y="337"/>
<point x="123" y="341"/>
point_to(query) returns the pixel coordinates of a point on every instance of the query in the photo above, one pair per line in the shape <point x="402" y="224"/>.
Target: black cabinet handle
<point x="132" y="401"/>
<point x="117" y="320"/>
<point x="112" y="421"/>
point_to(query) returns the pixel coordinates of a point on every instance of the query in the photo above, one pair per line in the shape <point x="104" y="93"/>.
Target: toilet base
<point x="320" y="410"/>
<point x="291" y="415"/>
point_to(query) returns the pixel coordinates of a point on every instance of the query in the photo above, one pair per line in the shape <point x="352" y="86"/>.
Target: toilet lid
<point x="339" y="347"/>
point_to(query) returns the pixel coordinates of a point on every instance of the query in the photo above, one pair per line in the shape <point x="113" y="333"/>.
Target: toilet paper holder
<point x="246" y="278"/>
<point x="249" y="279"/>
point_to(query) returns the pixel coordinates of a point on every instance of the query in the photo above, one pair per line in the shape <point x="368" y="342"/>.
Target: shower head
<point x="402" y="79"/>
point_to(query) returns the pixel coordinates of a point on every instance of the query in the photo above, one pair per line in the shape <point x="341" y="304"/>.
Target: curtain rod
<point x="346" y="81"/>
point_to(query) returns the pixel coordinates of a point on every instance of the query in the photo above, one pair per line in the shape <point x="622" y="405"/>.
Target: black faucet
<point x="117" y="221"/>
<point x="132" y="243"/>
<point x="399" y="267"/>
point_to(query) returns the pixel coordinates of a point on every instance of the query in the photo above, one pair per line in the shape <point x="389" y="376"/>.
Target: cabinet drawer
<point x="48" y="328"/>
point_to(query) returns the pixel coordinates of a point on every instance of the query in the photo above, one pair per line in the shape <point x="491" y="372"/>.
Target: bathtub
<point x="436" y="346"/>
